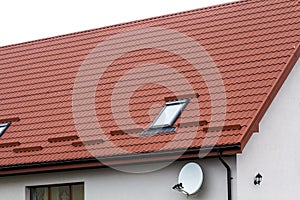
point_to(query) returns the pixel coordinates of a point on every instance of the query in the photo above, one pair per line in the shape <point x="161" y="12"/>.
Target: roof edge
<point x="269" y="99"/>
<point x="117" y="160"/>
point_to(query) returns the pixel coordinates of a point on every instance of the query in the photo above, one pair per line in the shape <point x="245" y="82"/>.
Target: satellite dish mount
<point x="179" y="187"/>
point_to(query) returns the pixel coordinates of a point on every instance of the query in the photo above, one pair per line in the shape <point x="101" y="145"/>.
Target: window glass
<point x="58" y="192"/>
<point x="3" y="128"/>
<point x="77" y="192"/>
<point x="169" y="114"/>
<point x="39" y="193"/>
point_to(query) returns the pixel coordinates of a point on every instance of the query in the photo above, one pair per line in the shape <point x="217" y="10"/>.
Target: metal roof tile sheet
<point x="251" y="44"/>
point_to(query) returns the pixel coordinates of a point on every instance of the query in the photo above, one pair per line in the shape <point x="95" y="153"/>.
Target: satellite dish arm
<point x="229" y="178"/>
<point x="185" y="192"/>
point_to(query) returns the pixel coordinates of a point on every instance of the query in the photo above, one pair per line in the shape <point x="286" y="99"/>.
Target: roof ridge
<point x="73" y="35"/>
<point x="127" y="23"/>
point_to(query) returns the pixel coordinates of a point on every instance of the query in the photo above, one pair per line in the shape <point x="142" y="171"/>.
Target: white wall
<point x="106" y="183"/>
<point x="275" y="150"/>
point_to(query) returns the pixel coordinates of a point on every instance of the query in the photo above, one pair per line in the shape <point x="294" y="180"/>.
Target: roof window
<point x="169" y="114"/>
<point x="3" y="128"/>
<point x="167" y="117"/>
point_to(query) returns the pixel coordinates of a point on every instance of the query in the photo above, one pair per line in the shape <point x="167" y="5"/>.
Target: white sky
<point x="26" y="20"/>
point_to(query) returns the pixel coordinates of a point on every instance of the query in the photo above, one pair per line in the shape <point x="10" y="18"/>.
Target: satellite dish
<point x="191" y="178"/>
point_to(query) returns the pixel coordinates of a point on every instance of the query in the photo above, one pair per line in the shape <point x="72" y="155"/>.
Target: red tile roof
<point x="64" y="97"/>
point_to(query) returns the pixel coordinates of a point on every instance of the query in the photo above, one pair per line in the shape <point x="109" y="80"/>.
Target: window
<point x="74" y="191"/>
<point x="169" y="114"/>
<point x="165" y="120"/>
<point x="3" y="128"/>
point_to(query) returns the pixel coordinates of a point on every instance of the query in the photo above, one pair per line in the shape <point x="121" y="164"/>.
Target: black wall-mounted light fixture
<point x="258" y="179"/>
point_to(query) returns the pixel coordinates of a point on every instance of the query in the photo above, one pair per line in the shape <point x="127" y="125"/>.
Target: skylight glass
<point x="169" y="114"/>
<point x="3" y="128"/>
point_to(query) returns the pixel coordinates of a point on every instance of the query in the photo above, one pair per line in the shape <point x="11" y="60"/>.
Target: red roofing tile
<point x="250" y="44"/>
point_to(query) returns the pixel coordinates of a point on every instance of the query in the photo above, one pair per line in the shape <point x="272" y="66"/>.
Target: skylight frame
<point x="175" y="116"/>
<point x="3" y="128"/>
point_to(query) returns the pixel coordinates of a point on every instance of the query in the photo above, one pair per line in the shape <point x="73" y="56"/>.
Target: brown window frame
<point x="54" y="185"/>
